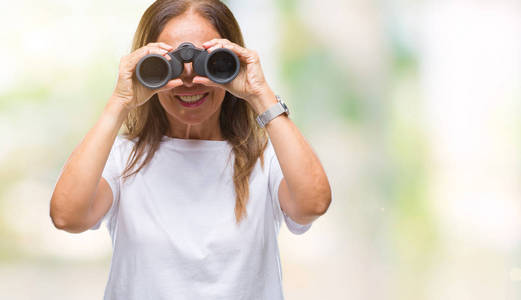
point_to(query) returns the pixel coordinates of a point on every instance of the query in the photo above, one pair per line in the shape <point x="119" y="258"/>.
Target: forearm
<point x="304" y="175"/>
<point x="74" y="190"/>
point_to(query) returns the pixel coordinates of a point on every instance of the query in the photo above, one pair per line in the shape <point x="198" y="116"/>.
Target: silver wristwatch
<point x="272" y="112"/>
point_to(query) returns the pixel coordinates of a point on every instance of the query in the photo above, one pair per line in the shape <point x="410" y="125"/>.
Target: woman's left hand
<point x="249" y="84"/>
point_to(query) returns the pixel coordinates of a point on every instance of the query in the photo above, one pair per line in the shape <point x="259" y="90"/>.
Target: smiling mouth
<point x="191" y="98"/>
<point x="192" y="101"/>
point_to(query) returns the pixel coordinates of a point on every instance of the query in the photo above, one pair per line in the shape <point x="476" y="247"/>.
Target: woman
<point x="197" y="210"/>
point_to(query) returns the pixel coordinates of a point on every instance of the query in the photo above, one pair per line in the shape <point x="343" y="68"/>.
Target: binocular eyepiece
<point x="221" y="65"/>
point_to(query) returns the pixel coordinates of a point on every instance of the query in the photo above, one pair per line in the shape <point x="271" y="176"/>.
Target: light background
<point x="412" y="106"/>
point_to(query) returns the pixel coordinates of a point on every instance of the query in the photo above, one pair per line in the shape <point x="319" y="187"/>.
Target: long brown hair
<point x="148" y="122"/>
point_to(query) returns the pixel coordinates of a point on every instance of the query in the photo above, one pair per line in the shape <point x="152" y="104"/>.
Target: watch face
<point x="286" y="110"/>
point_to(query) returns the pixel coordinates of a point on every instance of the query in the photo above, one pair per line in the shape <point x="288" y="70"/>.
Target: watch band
<point x="271" y="113"/>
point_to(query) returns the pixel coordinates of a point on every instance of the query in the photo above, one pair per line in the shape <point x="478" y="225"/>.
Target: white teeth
<point x="192" y="98"/>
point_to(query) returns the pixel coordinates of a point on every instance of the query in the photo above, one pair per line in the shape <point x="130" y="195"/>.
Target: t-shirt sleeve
<point x="111" y="173"/>
<point x="275" y="178"/>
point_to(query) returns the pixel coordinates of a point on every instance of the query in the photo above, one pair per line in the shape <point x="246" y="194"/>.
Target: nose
<point x="188" y="75"/>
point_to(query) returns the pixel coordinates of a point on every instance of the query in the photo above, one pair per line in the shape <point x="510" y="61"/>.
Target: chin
<point x="170" y="101"/>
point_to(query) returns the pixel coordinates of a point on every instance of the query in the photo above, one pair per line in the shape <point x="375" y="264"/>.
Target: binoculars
<point x="221" y="65"/>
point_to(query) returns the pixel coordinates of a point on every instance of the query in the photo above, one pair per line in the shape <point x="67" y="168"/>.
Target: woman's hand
<point x="128" y="89"/>
<point x="249" y="84"/>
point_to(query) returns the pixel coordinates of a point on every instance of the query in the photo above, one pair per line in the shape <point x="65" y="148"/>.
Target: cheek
<point x="165" y="101"/>
<point x="218" y="95"/>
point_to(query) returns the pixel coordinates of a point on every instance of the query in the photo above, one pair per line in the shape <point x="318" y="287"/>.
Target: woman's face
<point x="201" y="119"/>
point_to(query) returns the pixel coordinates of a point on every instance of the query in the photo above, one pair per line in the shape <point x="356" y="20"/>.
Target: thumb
<point x="206" y="81"/>
<point x="170" y="85"/>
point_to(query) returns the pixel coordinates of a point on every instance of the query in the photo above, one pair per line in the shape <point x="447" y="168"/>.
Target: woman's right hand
<point x="128" y="89"/>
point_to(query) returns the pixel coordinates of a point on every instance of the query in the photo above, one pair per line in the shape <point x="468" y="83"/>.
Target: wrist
<point x="116" y="108"/>
<point x="263" y="100"/>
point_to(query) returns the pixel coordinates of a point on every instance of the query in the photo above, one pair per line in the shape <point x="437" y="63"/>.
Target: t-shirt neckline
<point x="194" y="143"/>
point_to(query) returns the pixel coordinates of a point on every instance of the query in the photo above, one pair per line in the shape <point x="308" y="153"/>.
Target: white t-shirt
<point x="173" y="228"/>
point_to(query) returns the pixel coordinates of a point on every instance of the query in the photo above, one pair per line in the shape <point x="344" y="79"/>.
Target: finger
<point x="170" y="85"/>
<point x="214" y="42"/>
<point x="224" y="43"/>
<point x="132" y="60"/>
<point x="210" y="43"/>
<point x="213" y="48"/>
<point x="167" y="48"/>
<point x="244" y="54"/>
<point x="215" y="45"/>
<point x="146" y="50"/>
<point x="161" y="45"/>
<point x="206" y="81"/>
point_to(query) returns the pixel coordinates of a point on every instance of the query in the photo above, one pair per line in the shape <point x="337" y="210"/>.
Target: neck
<point x="206" y="130"/>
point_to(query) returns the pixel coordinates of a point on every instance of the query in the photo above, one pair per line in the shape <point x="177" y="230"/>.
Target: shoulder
<point x="122" y="144"/>
<point x="122" y="139"/>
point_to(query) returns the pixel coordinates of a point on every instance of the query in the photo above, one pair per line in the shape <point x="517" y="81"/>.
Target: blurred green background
<point x="412" y="106"/>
